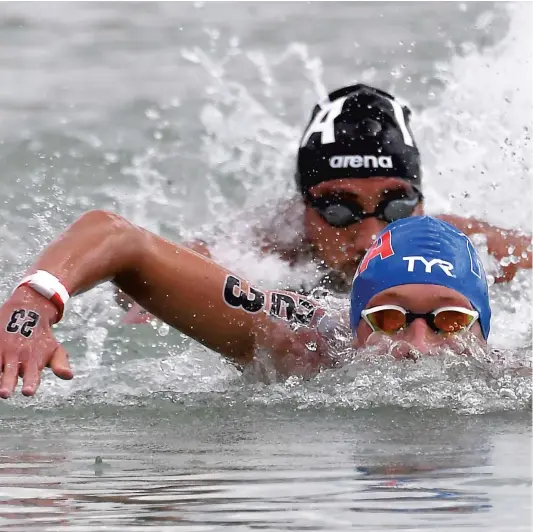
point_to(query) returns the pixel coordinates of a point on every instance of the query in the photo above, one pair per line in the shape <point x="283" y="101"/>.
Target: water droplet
<point x="395" y="73"/>
<point x="152" y="114"/>
<point x="111" y="157"/>
<point x="505" y="261"/>
<point x="163" y="330"/>
<point x="507" y="393"/>
<point x="190" y="55"/>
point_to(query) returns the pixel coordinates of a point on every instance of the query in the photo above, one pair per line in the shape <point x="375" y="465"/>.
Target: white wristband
<point x="48" y="286"/>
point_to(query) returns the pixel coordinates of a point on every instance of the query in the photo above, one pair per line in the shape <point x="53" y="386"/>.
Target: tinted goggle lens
<point x="342" y="212"/>
<point x="397" y="209"/>
<point x="452" y="321"/>
<point x="387" y="320"/>
<point x="391" y="319"/>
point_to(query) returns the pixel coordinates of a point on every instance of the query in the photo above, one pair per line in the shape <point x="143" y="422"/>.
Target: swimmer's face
<point x="419" y="299"/>
<point x="342" y="248"/>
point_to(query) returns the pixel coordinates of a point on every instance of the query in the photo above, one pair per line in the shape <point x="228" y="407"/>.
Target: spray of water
<point x="475" y="140"/>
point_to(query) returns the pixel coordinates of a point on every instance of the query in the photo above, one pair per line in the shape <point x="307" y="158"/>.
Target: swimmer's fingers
<point x="26" y="358"/>
<point x="10" y="373"/>
<point x="27" y="343"/>
<point x="19" y="362"/>
<point x="55" y="357"/>
<point x="60" y="365"/>
<point x="30" y="371"/>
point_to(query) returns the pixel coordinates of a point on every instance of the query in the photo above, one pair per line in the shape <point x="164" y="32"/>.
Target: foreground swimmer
<point x="421" y="282"/>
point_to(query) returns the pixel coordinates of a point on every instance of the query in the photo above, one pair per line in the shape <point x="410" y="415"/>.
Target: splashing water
<point x="475" y="143"/>
<point x="477" y="158"/>
<point x="476" y="139"/>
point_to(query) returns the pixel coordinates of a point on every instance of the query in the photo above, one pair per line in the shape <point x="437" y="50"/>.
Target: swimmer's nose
<point x="419" y="335"/>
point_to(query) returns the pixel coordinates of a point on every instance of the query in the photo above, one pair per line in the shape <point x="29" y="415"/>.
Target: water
<point x="183" y="117"/>
<point x="201" y="465"/>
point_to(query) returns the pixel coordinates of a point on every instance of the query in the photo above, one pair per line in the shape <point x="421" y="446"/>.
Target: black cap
<point x="358" y="132"/>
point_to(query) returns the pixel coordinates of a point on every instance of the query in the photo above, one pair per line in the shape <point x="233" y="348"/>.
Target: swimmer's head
<point x="358" y="132"/>
<point x="421" y="274"/>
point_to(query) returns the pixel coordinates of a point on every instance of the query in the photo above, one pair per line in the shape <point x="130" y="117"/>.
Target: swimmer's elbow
<point x="100" y="217"/>
<point x="113" y="240"/>
<point x="110" y="227"/>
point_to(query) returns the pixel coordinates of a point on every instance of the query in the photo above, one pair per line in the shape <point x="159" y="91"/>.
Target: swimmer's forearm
<point x="173" y="283"/>
<point x="126" y="302"/>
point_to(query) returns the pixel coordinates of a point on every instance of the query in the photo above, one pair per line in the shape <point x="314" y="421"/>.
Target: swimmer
<point x="358" y="169"/>
<point x="421" y="283"/>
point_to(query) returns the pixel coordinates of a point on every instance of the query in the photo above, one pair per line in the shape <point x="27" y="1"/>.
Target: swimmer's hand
<point x="303" y="352"/>
<point x="27" y="344"/>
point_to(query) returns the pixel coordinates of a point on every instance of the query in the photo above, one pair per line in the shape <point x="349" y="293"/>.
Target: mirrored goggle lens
<point x="452" y="321"/>
<point x="387" y="320"/>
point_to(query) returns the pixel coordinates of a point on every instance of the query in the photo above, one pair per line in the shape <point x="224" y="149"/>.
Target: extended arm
<point x="181" y="287"/>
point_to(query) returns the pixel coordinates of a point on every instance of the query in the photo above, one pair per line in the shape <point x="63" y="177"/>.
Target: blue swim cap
<point x="421" y="250"/>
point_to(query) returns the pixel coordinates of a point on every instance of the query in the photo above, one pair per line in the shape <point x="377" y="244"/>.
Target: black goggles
<point x="339" y="211"/>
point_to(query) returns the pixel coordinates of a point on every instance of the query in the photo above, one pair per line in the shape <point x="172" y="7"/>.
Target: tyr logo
<point x="444" y="265"/>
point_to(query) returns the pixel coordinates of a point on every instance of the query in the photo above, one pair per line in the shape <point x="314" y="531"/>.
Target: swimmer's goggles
<point x="339" y="211"/>
<point x="391" y="319"/>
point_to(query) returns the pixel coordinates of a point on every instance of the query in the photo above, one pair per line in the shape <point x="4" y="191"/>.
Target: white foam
<point x="475" y="141"/>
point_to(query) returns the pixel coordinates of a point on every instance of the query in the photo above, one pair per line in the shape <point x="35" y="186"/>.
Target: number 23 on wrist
<point x="23" y="322"/>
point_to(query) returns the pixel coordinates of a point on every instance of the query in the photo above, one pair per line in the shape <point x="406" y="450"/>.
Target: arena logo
<point x="360" y="161"/>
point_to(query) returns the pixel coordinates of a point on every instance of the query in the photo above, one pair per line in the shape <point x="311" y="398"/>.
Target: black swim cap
<point x="358" y="132"/>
